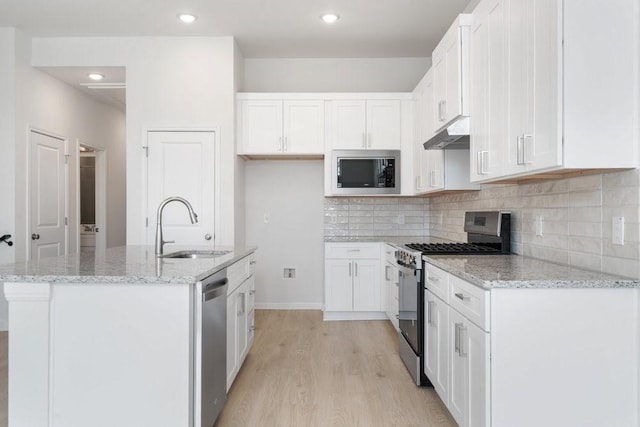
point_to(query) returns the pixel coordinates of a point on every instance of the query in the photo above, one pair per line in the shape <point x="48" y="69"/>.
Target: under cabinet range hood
<point x="454" y="136"/>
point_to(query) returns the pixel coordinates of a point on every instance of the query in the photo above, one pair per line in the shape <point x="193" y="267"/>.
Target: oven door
<point x="408" y="304"/>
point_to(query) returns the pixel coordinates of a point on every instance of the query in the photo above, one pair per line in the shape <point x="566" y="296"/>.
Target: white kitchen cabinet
<point x="391" y="280"/>
<point x="279" y="127"/>
<point x="534" y="58"/>
<point x="423" y="129"/>
<point x="488" y="89"/>
<point x="450" y="61"/>
<point x="468" y="397"/>
<point x="353" y="282"/>
<point x="436" y="339"/>
<point x="240" y="314"/>
<point x="365" y="124"/>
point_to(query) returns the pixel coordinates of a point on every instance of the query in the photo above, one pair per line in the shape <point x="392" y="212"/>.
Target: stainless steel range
<point x="488" y="233"/>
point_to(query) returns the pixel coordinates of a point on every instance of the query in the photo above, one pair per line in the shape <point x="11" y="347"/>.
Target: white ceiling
<point x="262" y="28"/>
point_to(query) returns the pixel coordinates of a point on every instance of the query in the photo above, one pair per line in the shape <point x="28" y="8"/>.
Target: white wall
<point x="7" y="145"/>
<point x="290" y="192"/>
<point x="334" y="74"/>
<point x="238" y="182"/>
<point x="172" y="82"/>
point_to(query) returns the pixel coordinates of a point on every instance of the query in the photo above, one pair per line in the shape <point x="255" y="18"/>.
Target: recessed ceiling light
<point x="330" y="18"/>
<point x="187" y="18"/>
<point x="95" y="76"/>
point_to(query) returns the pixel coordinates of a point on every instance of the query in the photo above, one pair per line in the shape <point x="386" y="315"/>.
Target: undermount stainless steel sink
<point x="196" y="254"/>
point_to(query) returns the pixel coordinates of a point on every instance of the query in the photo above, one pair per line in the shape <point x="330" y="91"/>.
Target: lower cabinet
<point x="436" y="339"/>
<point x="456" y="349"/>
<point x="353" y="282"/>
<point x="240" y="315"/>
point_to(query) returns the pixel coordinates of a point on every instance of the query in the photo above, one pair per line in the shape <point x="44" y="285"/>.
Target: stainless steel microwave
<point x="365" y="172"/>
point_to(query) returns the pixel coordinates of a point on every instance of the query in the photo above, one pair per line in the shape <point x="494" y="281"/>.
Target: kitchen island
<point x="106" y="339"/>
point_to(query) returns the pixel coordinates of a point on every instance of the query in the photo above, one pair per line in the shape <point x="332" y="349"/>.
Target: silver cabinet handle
<point x="356" y="267"/>
<point x="284" y="144"/>
<point x="279" y="143"/>
<point x="457" y="338"/>
<point x="429" y="310"/>
<point x="350" y="268"/>
<point x="444" y="110"/>
<point x="480" y="163"/>
<point x="386" y="272"/>
<point x="524" y="149"/>
<point x="353" y="250"/>
<point x="461" y="296"/>
<point x="461" y="350"/>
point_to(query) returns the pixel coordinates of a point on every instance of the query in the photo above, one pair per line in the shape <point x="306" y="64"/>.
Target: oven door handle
<point x="407" y="271"/>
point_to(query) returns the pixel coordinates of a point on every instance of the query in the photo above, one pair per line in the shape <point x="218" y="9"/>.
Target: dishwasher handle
<point x="214" y="289"/>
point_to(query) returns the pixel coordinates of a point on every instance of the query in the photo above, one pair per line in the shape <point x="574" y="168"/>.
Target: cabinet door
<point x="348" y="124"/>
<point x="303" y="127"/>
<point x="479" y="93"/>
<point x="383" y="124"/>
<point x="458" y="369"/>
<point x="423" y="129"/>
<point x="232" y="338"/>
<point x="243" y="326"/>
<point x="338" y="285"/>
<point x="439" y="88"/>
<point x="366" y="285"/>
<point x="435" y="169"/>
<point x="261" y="127"/>
<point x="453" y="77"/>
<point x="475" y="347"/>
<point x="437" y="344"/>
<point x="534" y="127"/>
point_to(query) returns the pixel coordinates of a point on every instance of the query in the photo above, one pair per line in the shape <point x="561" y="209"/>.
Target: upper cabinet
<point x="540" y="105"/>
<point x="281" y="127"/>
<point x="450" y="61"/>
<point x="365" y="124"/>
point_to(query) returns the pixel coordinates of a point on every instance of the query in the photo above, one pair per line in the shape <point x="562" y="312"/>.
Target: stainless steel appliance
<point x="211" y="348"/>
<point x="488" y="233"/>
<point x="365" y="172"/>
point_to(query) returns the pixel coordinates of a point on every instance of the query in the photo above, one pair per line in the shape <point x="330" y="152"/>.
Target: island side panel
<point x="121" y="355"/>
<point x="28" y="353"/>
<point x="571" y="354"/>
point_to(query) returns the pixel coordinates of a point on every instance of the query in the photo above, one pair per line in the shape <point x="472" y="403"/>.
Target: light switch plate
<point x="617" y="230"/>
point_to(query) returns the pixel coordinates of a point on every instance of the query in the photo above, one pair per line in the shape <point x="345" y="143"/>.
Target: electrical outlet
<point x="539" y="225"/>
<point x="289" y="273"/>
<point x="617" y="230"/>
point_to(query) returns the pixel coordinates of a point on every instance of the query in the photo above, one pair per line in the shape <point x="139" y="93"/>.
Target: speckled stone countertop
<point x="515" y="271"/>
<point x="122" y="265"/>
<point x="394" y="240"/>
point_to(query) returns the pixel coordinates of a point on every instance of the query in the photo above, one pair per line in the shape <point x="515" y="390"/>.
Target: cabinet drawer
<point x="437" y="281"/>
<point x="251" y="293"/>
<point x="471" y="301"/>
<point x="238" y="272"/>
<point x="352" y="251"/>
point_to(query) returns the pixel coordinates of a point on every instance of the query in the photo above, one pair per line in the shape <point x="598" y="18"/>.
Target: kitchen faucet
<point x="159" y="240"/>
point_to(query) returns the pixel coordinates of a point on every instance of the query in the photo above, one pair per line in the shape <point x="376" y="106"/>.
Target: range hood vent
<point x="455" y="136"/>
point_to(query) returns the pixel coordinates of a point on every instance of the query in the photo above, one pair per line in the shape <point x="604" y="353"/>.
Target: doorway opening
<point x="91" y="199"/>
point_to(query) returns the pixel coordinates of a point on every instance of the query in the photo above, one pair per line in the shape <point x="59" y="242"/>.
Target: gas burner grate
<point x="453" y="248"/>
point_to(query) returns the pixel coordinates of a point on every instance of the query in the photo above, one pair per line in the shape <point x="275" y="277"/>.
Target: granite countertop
<point x="120" y="265"/>
<point x="394" y="240"/>
<point x="516" y="271"/>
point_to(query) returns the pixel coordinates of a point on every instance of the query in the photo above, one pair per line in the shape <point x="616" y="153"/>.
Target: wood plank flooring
<point x="302" y="371"/>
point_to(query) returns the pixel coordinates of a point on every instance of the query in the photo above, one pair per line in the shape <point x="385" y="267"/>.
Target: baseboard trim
<point x="288" y="306"/>
<point x="355" y="315"/>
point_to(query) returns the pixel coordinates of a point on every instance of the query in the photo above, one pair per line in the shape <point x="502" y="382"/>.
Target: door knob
<point x="207" y="237"/>
<point x="35" y="236"/>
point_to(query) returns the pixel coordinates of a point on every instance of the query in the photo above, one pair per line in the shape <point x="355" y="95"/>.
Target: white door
<point x="47" y="196"/>
<point x="181" y="164"/>
<point x="338" y="285"/>
<point x="366" y="285"/>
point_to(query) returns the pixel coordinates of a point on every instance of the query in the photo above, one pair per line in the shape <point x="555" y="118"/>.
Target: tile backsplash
<point x="376" y="216"/>
<point x="577" y="217"/>
<point x="576" y="213"/>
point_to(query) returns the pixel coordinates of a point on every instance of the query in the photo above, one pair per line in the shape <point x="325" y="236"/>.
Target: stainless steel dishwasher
<point x="211" y="347"/>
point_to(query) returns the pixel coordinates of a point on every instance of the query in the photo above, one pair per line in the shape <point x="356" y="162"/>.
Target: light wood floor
<point x="302" y="371"/>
